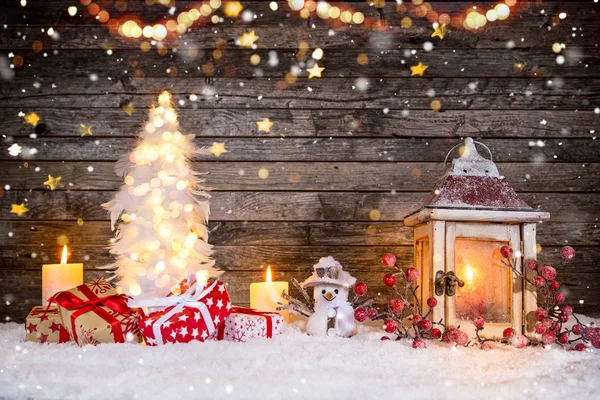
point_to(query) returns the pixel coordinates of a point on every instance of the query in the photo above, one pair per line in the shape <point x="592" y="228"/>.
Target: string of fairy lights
<point x="126" y="24"/>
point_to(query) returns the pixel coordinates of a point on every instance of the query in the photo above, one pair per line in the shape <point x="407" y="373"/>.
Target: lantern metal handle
<point x="462" y="144"/>
<point x="446" y="283"/>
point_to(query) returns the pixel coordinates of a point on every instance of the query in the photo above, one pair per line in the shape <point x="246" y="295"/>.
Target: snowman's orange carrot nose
<point x="329" y="296"/>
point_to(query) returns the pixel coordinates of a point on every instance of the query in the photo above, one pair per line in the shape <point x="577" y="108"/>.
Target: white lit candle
<point x="264" y="296"/>
<point x="59" y="277"/>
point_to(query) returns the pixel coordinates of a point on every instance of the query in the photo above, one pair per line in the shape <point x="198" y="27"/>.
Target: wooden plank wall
<point x="334" y="154"/>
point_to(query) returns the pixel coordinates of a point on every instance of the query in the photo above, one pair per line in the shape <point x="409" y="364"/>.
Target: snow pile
<point x="293" y="365"/>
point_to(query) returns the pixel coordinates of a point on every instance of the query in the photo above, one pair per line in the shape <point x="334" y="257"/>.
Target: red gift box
<point x="193" y="315"/>
<point x="244" y="324"/>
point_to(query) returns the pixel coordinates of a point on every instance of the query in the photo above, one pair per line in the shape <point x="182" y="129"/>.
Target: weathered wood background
<point x="333" y="154"/>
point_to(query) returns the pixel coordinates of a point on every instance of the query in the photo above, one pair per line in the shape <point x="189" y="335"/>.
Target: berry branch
<point x="404" y="316"/>
<point x="551" y="316"/>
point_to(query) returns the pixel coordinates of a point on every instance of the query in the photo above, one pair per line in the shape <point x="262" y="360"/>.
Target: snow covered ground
<point x="290" y="366"/>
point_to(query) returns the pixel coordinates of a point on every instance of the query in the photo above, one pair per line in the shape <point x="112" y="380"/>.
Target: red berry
<point x="596" y="341"/>
<point x="541" y="314"/>
<point x="554" y="286"/>
<point x="446" y="337"/>
<point x="372" y="313"/>
<point x="580" y="347"/>
<point x="389" y="280"/>
<point x="485" y="346"/>
<point x="360" y="289"/>
<point x="396" y="306"/>
<point x="360" y="314"/>
<point x="567" y="253"/>
<point x="416" y="319"/>
<point x="425" y="325"/>
<point x="449" y="335"/>
<point x="548" y="338"/>
<point x="563" y="338"/>
<point x="547" y="322"/>
<point x="540" y="328"/>
<point x="479" y="322"/>
<point x="384" y="338"/>
<point x="432" y="302"/>
<point x="389" y="325"/>
<point x="539" y="281"/>
<point x="532" y="265"/>
<point x="412" y="274"/>
<point x="508" y="332"/>
<point x="389" y="260"/>
<point x="452" y="334"/>
<point x="519" y="341"/>
<point x="577" y="329"/>
<point x="436" y="333"/>
<point x="564" y="318"/>
<point x="419" y="343"/>
<point x="462" y="338"/>
<point x="548" y="272"/>
<point x="567" y="310"/>
<point x="559" y="297"/>
<point x="588" y="333"/>
<point x="506" y="251"/>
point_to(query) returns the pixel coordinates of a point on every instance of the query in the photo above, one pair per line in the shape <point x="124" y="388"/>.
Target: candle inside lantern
<point x="59" y="277"/>
<point x="469" y="274"/>
<point x="264" y="296"/>
<point x="486" y="292"/>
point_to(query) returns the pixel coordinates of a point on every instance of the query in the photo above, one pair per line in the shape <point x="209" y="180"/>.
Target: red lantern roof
<point x="474" y="181"/>
<point x="473" y="189"/>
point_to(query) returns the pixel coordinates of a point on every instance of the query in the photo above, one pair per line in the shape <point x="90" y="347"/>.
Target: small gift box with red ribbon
<point x="95" y="313"/>
<point x="43" y="325"/>
<point x="244" y="324"/>
<point x="194" y="315"/>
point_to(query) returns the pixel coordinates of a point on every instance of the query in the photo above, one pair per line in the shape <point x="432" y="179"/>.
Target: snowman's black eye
<point x="336" y="291"/>
<point x="323" y="291"/>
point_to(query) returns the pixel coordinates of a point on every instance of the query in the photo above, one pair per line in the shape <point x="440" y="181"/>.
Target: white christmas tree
<point x="161" y="210"/>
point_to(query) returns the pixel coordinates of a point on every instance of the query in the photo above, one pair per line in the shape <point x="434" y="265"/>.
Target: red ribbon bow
<point x="251" y="311"/>
<point x="115" y="302"/>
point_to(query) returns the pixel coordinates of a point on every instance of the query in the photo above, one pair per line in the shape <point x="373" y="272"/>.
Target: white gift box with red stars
<point x="244" y="324"/>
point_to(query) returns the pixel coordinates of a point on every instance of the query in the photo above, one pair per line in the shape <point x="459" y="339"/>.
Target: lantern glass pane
<point x="487" y="291"/>
<point x="423" y="263"/>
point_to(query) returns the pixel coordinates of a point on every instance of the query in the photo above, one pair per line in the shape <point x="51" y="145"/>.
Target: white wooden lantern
<point x="458" y="234"/>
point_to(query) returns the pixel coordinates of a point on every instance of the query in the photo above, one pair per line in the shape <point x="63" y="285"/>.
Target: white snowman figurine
<point x="333" y="314"/>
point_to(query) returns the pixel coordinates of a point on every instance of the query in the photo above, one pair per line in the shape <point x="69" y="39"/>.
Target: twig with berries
<point x="405" y="303"/>
<point x="551" y="316"/>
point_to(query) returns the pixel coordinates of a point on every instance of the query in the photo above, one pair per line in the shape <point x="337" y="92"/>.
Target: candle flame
<point x="63" y="258"/>
<point x="469" y="274"/>
<point x="269" y="277"/>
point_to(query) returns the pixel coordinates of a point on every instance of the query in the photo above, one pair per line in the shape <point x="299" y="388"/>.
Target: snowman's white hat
<point x="329" y="272"/>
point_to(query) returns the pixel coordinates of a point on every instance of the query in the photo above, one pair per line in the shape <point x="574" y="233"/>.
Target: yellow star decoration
<point x="440" y="31"/>
<point x="85" y="130"/>
<point x="32" y="118"/>
<point x="264" y="125"/>
<point x="233" y="8"/>
<point x="315" y="71"/>
<point x="53" y="183"/>
<point x="418" y="69"/>
<point x="218" y="148"/>
<point x="18" y="209"/>
<point x="248" y="39"/>
<point x="129" y="109"/>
